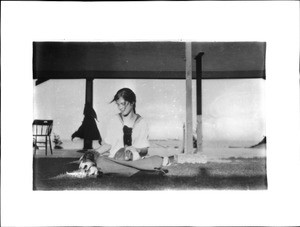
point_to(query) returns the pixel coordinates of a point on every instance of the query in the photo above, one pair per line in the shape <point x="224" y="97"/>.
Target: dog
<point x="87" y="164"/>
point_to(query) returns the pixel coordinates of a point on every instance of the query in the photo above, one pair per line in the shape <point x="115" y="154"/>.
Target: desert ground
<point x="226" y="169"/>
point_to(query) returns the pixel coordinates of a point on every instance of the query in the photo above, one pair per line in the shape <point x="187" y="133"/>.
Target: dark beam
<point x="40" y="81"/>
<point x="218" y="75"/>
<point x="156" y="75"/>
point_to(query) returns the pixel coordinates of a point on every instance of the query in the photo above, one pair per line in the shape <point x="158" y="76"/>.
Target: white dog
<point x="88" y="165"/>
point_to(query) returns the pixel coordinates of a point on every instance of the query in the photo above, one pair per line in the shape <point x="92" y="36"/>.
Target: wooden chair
<point x="43" y="129"/>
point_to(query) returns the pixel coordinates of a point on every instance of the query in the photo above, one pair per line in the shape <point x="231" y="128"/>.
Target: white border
<point x="277" y="23"/>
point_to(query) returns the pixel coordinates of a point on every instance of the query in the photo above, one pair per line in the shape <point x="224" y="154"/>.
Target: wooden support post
<point x="88" y="144"/>
<point x="198" y="59"/>
<point x="89" y="91"/>
<point x="189" y="114"/>
<point x="183" y="138"/>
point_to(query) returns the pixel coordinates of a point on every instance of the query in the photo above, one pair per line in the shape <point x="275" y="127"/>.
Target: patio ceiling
<point x="145" y="60"/>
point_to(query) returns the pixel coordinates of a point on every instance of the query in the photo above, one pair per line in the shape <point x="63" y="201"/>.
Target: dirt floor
<point x="233" y="173"/>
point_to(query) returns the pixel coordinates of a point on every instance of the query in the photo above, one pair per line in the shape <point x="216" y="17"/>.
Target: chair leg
<point x="35" y="145"/>
<point x="50" y="144"/>
<point x="46" y="144"/>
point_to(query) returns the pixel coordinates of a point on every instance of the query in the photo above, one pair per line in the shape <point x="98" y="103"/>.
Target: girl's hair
<point x="127" y="94"/>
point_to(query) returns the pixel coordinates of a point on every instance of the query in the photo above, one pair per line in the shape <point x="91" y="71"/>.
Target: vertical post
<point x="198" y="59"/>
<point x="189" y="114"/>
<point x="89" y="91"/>
<point x="88" y="144"/>
<point x="183" y="138"/>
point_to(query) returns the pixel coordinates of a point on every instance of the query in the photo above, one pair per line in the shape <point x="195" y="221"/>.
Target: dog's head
<point x="88" y="165"/>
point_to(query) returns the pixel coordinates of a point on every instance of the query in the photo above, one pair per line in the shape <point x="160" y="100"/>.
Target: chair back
<point x="42" y="127"/>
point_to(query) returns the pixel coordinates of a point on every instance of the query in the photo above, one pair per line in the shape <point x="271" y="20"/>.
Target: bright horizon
<point x="233" y="110"/>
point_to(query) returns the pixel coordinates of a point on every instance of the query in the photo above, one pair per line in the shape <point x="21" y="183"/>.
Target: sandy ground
<point x="240" y="174"/>
<point x="227" y="168"/>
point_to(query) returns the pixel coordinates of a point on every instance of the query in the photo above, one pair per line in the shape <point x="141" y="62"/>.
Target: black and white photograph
<point x="150" y="113"/>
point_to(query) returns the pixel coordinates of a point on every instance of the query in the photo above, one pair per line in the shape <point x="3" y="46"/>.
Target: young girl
<point x="127" y="130"/>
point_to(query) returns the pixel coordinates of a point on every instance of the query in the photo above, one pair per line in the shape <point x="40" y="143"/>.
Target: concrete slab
<point x="191" y="158"/>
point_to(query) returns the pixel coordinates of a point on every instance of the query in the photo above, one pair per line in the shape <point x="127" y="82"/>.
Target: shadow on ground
<point x="238" y="174"/>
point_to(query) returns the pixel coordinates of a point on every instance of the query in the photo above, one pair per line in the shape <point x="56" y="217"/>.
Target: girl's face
<point x="124" y="106"/>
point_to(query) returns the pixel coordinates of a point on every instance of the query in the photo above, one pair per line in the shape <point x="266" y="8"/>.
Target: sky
<point x="233" y="110"/>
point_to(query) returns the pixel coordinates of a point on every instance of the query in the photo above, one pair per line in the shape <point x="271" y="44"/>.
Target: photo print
<point x="149" y="115"/>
